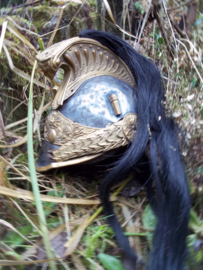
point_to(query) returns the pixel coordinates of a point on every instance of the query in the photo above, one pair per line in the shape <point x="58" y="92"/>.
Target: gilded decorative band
<point x="76" y="140"/>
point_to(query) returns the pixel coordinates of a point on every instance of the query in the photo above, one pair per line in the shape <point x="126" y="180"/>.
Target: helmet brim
<point x="45" y="163"/>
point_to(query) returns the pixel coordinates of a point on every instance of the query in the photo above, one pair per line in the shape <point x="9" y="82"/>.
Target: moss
<point x="4" y="68"/>
<point x="22" y="22"/>
<point x="92" y="3"/>
<point x="93" y="15"/>
<point x="19" y="11"/>
<point x="84" y="19"/>
<point x="70" y="11"/>
<point x="42" y="14"/>
<point x="2" y="20"/>
<point x="8" y="76"/>
<point x="10" y="79"/>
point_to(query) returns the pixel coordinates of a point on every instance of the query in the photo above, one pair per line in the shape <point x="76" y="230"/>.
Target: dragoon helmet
<point x="110" y="97"/>
<point x="94" y="109"/>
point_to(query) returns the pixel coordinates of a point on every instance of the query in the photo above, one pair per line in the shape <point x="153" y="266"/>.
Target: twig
<point x="3" y="32"/>
<point x="25" y="119"/>
<point x="185" y="4"/>
<point x="21" y="28"/>
<point x="163" y="33"/>
<point x="72" y="19"/>
<point x="113" y="24"/>
<point x="57" y="26"/>
<point x="164" y="6"/>
<point x="188" y="54"/>
<point x="15" y="169"/>
<point x="20" y="72"/>
<point x="136" y="44"/>
<point x="2" y="125"/>
<point x="181" y="33"/>
<point x="27" y="4"/>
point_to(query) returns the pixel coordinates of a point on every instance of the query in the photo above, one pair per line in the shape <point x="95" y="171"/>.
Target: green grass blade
<point x="35" y="187"/>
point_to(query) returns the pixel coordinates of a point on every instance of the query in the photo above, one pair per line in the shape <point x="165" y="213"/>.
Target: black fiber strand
<point x="169" y="195"/>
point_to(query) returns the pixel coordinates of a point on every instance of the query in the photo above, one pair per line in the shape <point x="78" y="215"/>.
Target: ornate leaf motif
<point x="77" y="140"/>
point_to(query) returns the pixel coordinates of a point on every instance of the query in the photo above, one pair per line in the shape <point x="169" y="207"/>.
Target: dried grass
<point x="183" y="77"/>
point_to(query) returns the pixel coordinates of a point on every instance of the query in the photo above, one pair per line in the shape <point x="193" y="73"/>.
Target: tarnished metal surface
<point x="90" y="105"/>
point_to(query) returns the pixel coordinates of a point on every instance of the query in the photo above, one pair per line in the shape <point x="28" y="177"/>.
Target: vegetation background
<point x="168" y="32"/>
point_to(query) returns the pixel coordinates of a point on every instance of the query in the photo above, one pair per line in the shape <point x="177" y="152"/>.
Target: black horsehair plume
<point x="168" y="191"/>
